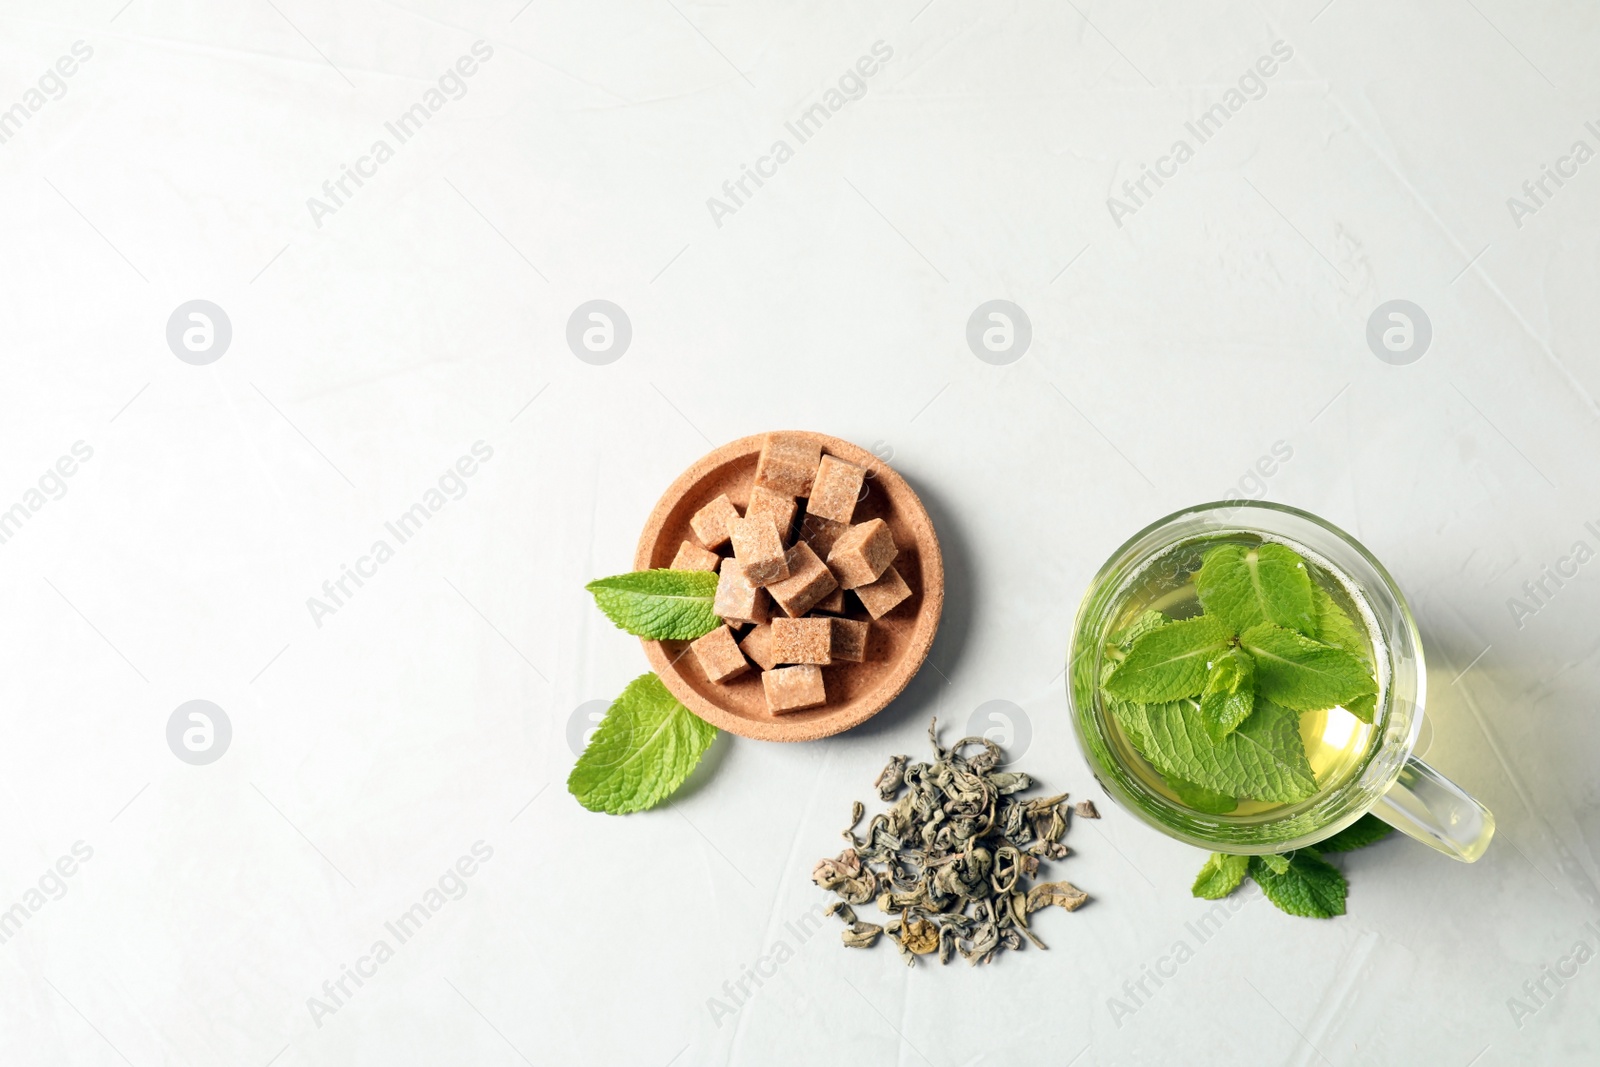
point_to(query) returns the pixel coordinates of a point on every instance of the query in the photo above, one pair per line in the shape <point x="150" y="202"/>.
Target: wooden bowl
<point x="898" y="642"/>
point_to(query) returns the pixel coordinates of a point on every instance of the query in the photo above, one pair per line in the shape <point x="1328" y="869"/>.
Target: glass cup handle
<point x="1424" y="804"/>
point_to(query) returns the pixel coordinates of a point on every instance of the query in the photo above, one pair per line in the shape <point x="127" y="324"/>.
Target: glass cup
<point x="1387" y="781"/>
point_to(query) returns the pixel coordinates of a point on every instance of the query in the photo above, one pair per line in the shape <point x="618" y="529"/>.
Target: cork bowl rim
<point x="831" y="718"/>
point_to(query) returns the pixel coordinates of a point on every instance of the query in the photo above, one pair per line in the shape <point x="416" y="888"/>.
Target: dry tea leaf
<point x="892" y="777"/>
<point x="846" y="876"/>
<point x="1086" y="809"/>
<point x="920" y="936"/>
<point x="1065" y="894"/>
<point x="856" y="812"/>
<point x="861" y="935"/>
<point x="950" y="860"/>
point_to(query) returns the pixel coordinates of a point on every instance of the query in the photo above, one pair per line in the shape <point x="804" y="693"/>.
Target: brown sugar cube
<point x="719" y="655"/>
<point x="808" y="582"/>
<point x="881" y="596"/>
<point x="788" y="464"/>
<point x="757" y="645"/>
<point x="710" y="523"/>
<point x="833" y="603"/>
<point x="821" y="533"/>
<point x="861" y="554"/>
<point x="837" y="488"/>
<point x="802" y="641"/>
<point x="738" y="599"/>
<point x="691" y="557"/>
<point x="759" y="548"/>
<point x="849" y="640"/>
<point x="793" y="688"/>
<point x="775" y="506"/>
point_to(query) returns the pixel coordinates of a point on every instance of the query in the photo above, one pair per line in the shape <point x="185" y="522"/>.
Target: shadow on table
<point x="1512" y="729"/>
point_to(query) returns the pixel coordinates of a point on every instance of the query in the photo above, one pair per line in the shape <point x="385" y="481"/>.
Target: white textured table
<point x="416" y="318"/>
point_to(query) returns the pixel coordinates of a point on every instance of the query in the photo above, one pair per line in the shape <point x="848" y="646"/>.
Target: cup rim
<point x="1402" y="747"/>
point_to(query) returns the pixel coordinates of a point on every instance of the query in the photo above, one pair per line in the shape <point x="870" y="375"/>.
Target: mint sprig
<point x="642" y="751"/>
<point x="1300" y="883"/>
<point x="1187" y="692"/>
<point x="660" y="605"/>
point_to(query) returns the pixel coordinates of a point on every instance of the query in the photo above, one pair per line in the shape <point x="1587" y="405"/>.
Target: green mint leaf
<point x="1229" y="695"/>
<point x="1200" y="798"/>
<point x="642" y="750"/>
<point x="662" y="605"/>
<point x="1264" y="758"/>
<point x="1363" y="708"/>
<point x="1169" y="662"/>
<point x="1276" y="864"/>
<point x="1303" y="674"/>
<point x="1311" y="887"/>
<point x="1147" y="620"/>
<point x="1247" y="586"/>
<point x="1364" y="831"/>
<point x="1220" y="876"/>
<point x="1130" y="716"/>
<point x="1335" y="627"/>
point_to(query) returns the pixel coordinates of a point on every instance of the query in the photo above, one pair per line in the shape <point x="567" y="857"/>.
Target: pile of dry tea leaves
<point x="949" y="862"/>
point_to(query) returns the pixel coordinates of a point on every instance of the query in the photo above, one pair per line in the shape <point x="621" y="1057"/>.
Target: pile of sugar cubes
<point x="801" y="561"/>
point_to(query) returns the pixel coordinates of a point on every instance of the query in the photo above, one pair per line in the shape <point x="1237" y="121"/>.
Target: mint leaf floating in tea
<point x="1364" y="708"/>
<point x="1334" y="627"/>
<point x="1170" y="661"/>
<point x="1200" y="798"/>
<point x="1220" y="876"/>
<point x="1245" y="586"/>
<point x="1147" y="621"/>
<point x="643" y="749"/>
<point x="1303" y="674"/>
<point x="660" y="605"/>
<point x="1367" y="830"/>
<point x="1306" y="885"/>
<point x="949" y="863"/>
<point x="1229" y="695"/>
<point x="1264" y="758"/>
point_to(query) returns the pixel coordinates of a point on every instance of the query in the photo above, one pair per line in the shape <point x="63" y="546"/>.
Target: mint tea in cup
<point x="1248" y="678"/>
